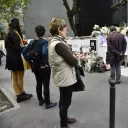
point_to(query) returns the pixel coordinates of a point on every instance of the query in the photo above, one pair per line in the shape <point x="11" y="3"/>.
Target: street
<point x="90" y="108"/>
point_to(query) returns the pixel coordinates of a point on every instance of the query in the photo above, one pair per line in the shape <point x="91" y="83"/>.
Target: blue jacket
<point x="44" y="43"/>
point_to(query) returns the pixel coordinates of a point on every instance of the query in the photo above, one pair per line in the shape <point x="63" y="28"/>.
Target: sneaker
<point x="50" y="105"/>
<point x="24" y="93"/>
<point x="71" y="120"/>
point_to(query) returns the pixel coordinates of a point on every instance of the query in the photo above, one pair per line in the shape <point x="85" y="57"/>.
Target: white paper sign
<point x="126" y="53"/>
<point x="77" y="44"/>
<point x="102" y="40"/>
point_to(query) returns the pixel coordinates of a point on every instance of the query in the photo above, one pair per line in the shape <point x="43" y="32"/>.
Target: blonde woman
<point x="62" y="64"/>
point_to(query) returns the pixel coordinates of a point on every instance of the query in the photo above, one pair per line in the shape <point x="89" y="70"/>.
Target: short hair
<point x="55" y="24"/>
<point x="112" y="28"/>
<point x="40" y="30"/>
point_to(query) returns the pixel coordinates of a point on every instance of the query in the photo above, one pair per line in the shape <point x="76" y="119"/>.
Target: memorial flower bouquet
<point x="124" y="30"/>
<point x="96" y="31"/>
<point x="105" y="30"/>
<point x="118" y="29"/>
<point x="96" y="27"/>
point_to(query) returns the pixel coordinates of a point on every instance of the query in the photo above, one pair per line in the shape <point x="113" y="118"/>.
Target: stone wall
<point x="40" y="12"/>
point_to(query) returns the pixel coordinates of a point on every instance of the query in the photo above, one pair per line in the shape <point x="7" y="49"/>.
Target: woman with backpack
<point x="36" y="53"/>
<point x="14" y="46"/>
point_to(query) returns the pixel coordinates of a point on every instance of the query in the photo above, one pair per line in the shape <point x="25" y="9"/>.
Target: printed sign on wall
<point x="93" y="45"/>
<point x="79" y="45"/>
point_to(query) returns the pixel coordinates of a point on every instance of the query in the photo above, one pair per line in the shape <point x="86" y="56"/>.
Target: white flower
<point x="104" y="30"/>
<point x="118" y="29"/>
<point x="95" y="33"/>
<point x="124" y="31"/>
<point x="96" y="27"/>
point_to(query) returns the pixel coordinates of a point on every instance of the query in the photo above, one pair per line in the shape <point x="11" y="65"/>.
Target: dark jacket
<point x="44" y="43"/>
<point x="116" y="45"/>
<point x="13" y="49"/>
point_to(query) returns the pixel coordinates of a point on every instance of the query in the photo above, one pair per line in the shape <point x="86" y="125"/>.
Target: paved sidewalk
<point x="91" y="108"/>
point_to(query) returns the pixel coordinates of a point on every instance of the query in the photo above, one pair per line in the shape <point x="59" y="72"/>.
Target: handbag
<point x="80" y="68"/>
<point x="79" y="85"/>
<point x="26" y="65"/>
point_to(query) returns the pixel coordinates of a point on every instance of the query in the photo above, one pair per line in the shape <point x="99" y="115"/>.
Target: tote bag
<point x="26" y="65"/>
<point x="79" y="85"/>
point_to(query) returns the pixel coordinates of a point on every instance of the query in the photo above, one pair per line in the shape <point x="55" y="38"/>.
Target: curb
<point x="12" y="100"/>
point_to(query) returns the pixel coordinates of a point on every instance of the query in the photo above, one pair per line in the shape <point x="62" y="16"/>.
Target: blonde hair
<point x="55" y="24"/>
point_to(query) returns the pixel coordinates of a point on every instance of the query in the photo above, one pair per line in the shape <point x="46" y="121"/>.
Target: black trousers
<point x="115" y="71"/>
<point x="0" y="60"/>
<point x="43" y="77"/>
<point x="65" y="102"/>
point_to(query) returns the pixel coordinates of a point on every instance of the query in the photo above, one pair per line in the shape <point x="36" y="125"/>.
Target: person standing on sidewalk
<point x="116" y="47"/>
<point x="14" y="61"/>
<point x="44" y="72"/>
<point x="1" y="52"/>
<point x="1" y="55"/>
<point x="62" y="64"/>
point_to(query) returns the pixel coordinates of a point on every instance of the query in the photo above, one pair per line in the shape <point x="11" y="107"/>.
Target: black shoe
<point x="50" y="105"/>
<point x="19" y="98"/>
<point x="118" y="81"/>
<point x="71" y="120"/>
<point x="22" y="97"/>
<point x="41" y="102"/>
<point x="29" y="95"/>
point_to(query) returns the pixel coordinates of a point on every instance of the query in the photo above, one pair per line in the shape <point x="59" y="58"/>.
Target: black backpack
<point x="35" y="55"/>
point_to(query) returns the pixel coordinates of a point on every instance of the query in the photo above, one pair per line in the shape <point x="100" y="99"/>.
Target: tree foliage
<point x="71" y="13"/>
<point x="12" y="8"/>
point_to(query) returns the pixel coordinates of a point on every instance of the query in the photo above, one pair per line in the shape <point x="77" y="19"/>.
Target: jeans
<point x="43" y="77"/>
<point x="65" y="102"/>
<point x="115" y="71"/>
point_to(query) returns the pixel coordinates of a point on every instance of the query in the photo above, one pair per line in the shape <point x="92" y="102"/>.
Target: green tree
<point x="71" y="13"/>
<point x="12" y="9"/>
<point x="2" y="33"/>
